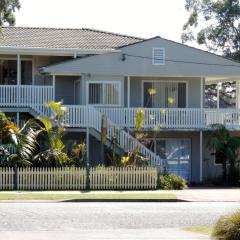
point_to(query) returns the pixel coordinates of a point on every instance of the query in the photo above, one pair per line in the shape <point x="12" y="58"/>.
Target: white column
<point x="54" y="84"/>
<point x="202" y="100"/>
<point x="202" y="92"/>
<point x="88" y="145"/>
<point x="201" y="157"/>
<point x="18" y="69"/>
<point x="128" y="91"/>
<point x="237" y="94"/>
<point x="219" y="87"/>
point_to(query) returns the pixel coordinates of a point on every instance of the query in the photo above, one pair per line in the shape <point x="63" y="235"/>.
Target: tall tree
<point x="226" y="147"/>
<point x="214" y="23"/>
<point x="7" y="9"/>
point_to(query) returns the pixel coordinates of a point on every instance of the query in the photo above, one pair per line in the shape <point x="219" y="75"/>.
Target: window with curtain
<point x="104" y="93"/>
<point x="159" y="94"/>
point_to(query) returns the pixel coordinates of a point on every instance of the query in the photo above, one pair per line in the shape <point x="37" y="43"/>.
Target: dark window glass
<point x="147" y="96"/>
<point x="181" y="95"/>
<point x="26" y="72"/>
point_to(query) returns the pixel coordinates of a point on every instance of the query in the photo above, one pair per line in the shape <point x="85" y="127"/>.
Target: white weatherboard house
<point x="97" y="72"/>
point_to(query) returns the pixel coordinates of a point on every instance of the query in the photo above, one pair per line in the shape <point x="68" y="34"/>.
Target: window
<point x="26" y="72"/>
<point x="104" y="93"/>
<point x="158" y="56"/>
<point x="162" y="94"/>
<point x="8" y="72"/>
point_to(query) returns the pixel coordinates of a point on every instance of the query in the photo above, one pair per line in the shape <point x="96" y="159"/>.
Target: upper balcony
<point x="172" y="103"/>
<point x="36" y="97"/>
<point x="175" y="118"/>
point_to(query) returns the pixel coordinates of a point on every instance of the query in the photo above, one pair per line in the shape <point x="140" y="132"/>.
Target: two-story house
<point x="96" y="72"/>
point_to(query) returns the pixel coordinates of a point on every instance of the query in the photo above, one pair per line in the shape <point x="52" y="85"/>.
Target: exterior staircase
<point x="89" y="117"/>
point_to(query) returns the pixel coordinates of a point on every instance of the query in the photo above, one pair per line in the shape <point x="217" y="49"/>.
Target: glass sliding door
<point x="160" y="94"/>
<point x="26" y="72"/>
<point x="8" y="72"/>
<point x="177" y="153"/>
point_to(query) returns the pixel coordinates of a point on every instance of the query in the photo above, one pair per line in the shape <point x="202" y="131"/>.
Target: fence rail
<point x="77" y="178"/>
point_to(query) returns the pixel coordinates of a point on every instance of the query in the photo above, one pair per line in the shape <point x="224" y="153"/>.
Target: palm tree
<point x="24" y="140"/>
<point x="54" y="154"/>
<point x="7" y="127"/>
<point x="225" y="147"/>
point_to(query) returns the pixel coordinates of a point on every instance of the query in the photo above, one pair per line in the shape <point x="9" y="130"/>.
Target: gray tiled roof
<point x="50" y="38"/>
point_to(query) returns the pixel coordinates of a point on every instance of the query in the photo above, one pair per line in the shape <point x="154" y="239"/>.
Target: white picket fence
<point x="76" y="178"/>
<point x="7" y="178"/>
<point x="43" y="178"/>
<point x="123" y="178"/>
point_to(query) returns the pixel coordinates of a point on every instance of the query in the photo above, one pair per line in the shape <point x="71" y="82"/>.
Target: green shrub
<point x="227" y="227"/>
<point x="172" y="182"/>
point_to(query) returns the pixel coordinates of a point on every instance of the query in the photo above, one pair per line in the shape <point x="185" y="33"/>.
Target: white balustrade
<point x="32" y="96"/>
<point x="170" y="118"/>
<point x="174" y="118"/>
<point x="228" y="117"/>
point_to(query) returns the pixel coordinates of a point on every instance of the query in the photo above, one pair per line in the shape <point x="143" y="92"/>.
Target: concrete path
<point x="209" y="195"/>
<point x="192" y="195"/>
<point x="129" y="234"/>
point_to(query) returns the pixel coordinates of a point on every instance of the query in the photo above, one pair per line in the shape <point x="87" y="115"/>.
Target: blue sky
<point x="144" y="18"/>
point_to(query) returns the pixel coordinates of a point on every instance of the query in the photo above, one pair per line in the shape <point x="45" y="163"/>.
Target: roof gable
<point x="181" y="60"/>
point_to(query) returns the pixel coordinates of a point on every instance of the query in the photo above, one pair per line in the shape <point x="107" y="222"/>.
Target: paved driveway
<point x="48" y="221"/>
<point x="209" y="195"/>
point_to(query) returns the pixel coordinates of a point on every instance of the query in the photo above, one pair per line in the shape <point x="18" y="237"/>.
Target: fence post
<point x="88" y="177"/>
<point x="158" y="177"/>
<point x="15" y="177"/>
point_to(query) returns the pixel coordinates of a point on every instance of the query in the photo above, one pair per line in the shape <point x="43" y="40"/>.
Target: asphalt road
<point x="105" y="220"/>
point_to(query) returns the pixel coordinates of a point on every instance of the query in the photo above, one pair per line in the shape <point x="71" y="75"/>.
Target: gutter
<point x="53" y="51"/>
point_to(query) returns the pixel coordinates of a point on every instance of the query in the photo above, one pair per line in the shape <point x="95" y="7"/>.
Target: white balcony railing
<point x="174" y="118"/>
<point x="228" y="117"/>
<point x="36" y="98"/>
<point x="26" y="96"/>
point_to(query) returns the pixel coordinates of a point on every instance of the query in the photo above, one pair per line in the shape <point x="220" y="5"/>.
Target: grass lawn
<point x="46" y="196"/>
<point x="200" y="229"/>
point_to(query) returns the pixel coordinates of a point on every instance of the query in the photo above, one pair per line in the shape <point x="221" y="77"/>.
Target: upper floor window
<point x="104" y="93"/>
<point x="8" y="72"/>
<point x="158" y="56"/>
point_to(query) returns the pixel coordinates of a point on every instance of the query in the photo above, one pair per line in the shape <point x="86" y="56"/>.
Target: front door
<point x="177" y="153"/>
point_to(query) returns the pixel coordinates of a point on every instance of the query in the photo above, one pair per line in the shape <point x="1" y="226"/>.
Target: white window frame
<point x="154" y="59"/>
<point x="163" y="81"/>
<point x="104" y="82"/>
